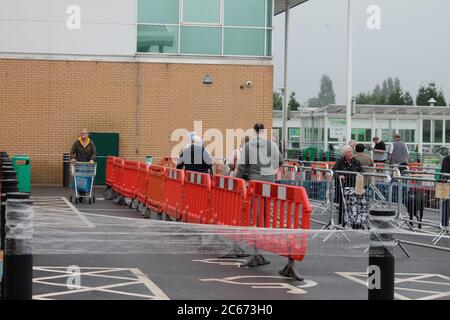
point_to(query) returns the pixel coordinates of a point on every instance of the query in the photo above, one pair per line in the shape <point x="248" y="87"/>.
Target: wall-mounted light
<point x="207" y="79"/>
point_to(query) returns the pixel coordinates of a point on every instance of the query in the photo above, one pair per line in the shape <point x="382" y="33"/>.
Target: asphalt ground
<point x="194" y="276"/>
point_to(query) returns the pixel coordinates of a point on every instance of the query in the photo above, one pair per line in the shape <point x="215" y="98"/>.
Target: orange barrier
<point x="110" y="171"/>
<point x="142" y="181"/>
<point x="118" y="174"/>
<point x="228" y="201"/>
<point x="331" y="164"/>
<point x="129" y="178"/>
<point x="155" y="188"/>
<point x="319" y="165"/>
<point x="293" y="163"/>
<point x="174" y="192"/>
<point x="197" y="204"/>
<point x="167" y="162"/>
<point x="278" y="206"/>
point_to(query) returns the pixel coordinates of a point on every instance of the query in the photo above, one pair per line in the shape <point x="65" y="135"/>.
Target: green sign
<point x="430" y="160"/>
<point x="338" y="122"/>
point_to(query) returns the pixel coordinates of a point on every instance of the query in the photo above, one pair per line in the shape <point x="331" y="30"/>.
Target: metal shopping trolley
<point x="83" y="174"/>
<point x="353" y="207"/>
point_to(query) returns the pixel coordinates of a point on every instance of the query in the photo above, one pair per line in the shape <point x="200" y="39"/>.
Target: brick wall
<point x="44" y="104"/>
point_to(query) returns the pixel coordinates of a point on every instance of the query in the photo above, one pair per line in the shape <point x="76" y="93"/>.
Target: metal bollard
<point x="381" y="271"/>
<point x="66" y="169"/>
<point x="18" y="263"/>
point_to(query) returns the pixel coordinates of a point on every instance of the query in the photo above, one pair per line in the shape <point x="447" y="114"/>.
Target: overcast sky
<point x="413" y="44"/>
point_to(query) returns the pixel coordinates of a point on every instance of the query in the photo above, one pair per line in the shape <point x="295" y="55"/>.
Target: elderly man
<point x="398" y="153"/>
<point x="83" y="149"/>
<point x="347" y="163"/>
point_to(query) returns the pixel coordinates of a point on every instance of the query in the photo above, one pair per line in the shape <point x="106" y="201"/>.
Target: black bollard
<point x="7" y="185"/>
<point x="381" y="271"/>
<point x="66" y="169"/>
<point x="18" y="264"/>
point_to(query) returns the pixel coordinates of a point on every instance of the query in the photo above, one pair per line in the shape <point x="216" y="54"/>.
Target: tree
<point x="407" y="99"/>
<point x="277" y="101"/>
<point x="313" y="103"/>
<point x="326" y="95"/>
<point x="390" y="92"/>
<point x="426" y="93"/>
<point x="293" y="103"/>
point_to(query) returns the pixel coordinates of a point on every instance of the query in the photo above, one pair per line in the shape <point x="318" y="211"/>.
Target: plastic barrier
<point x="229" y="201"/>
<point x="167" y="162"/>
<point x="118" y="175"/>
<point x="155" y="188"/>
<point x="110" y="171"/>
<point x="279" y="207"/>
<point x="129" y="178"/>
<point x="142" y="181"/>
<point x="331" y="164"/>
<point x="197" y="201"/>
<point x="174" y="192"/>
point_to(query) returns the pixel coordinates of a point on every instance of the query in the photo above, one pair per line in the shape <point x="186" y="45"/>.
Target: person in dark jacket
<point x="83" y="149"/>
<point x="445" y="209"/>
<point x="195" y="157"/>
<point x="347" y="163"/>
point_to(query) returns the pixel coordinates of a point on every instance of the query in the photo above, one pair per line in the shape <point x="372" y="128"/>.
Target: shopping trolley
<point x="83" y="174"/>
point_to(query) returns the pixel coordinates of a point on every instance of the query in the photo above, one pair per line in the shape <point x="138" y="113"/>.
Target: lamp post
<point x="349" y="70"/>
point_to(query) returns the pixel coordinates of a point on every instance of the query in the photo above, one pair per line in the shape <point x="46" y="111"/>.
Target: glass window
<point x="269" y="43"/>
<point x="447" y="131"/>
<point x="294" y="134"/>
<point x="387" y="135"/>
<point x="158" y="11"/>
<point x="426" y="130"/>
<point x="361" y="134"/>
<point x="248" y="13"/>
<point x="201" y="40"/>
<point x="203" y="11"/>
<point x="244" y="42"/>
<point x="407" y="135"/>
<point x="161" y="39"/>
<point x="269" y="13"/>
<point x="438" y="131"/>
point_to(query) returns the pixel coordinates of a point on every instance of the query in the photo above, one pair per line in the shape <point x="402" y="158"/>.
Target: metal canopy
<point x="280" y="5"/>
<point x="386" y="109"/>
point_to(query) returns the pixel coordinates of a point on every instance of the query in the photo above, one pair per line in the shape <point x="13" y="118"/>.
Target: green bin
<point x="23" y="169"/>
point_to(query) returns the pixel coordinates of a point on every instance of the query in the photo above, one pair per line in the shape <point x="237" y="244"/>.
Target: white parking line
<point x="78" y="213"/>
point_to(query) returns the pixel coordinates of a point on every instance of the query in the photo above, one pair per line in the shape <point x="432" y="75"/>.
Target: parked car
<point x="443" y="151"/>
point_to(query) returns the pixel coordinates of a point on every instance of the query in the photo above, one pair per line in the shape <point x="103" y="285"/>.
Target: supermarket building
<point x="133" y="70"/>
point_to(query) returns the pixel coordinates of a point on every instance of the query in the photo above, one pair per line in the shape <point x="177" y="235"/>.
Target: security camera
<point x="249" y="84"/>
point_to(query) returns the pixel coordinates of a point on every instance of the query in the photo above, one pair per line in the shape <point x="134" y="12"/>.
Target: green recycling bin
<point x="23" y="169"/>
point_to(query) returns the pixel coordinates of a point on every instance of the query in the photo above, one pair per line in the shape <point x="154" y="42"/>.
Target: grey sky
<point x="413" y="45"/>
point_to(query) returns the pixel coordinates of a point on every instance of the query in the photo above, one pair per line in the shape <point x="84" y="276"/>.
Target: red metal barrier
<point x="228" y="201"/>
<point x="142" y="181"/>
<point x="155" y="188"/>
<point x="197" y="201"/>
<point x="110" y="171"/>
<point x="118" y="175"/>
<point x="277" y="206"/>
<point x="174" y="192"/>
<point x="129" y="178"/>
